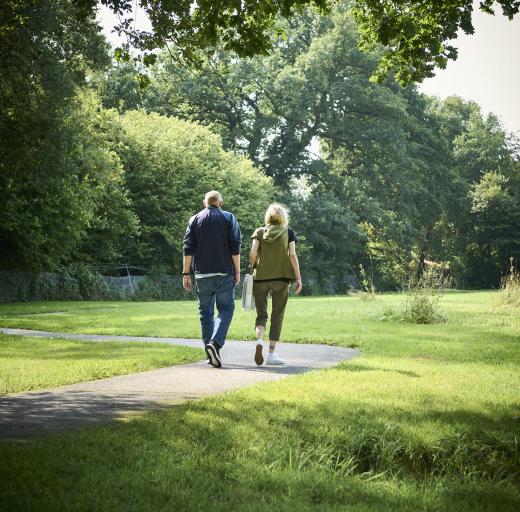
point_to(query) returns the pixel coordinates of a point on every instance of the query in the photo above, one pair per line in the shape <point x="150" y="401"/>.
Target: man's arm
<point x="189" y="242"/>
<point x="234" y="236"/>
<point x="235" y="241"/>
<point x="186" y="266"/>
<point x="189" y="246"/>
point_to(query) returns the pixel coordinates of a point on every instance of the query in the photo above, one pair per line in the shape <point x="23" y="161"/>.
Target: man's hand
<point x="186" y="282"/>
<point x="297" y="286"/>
<point x="236" y="266"/>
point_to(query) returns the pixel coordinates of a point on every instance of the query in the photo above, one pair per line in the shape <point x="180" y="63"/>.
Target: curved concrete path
<point x="33" y="413"/>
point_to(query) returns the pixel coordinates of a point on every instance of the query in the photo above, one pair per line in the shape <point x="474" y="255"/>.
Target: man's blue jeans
<point x="219" y="290"/>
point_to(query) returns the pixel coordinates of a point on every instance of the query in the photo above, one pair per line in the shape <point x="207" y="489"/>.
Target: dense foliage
<point x="80" y="183"/>
<point x="170" y="164"/>
<point x="397" y="180"/>
<point x="47" y="158"/>
<point x="99" y="170"/>
<point x="417" y="35"/>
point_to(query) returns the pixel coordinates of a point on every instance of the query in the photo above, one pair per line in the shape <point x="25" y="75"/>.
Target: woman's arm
<point x="296" y="266"/>
<point x="254" y="251"/>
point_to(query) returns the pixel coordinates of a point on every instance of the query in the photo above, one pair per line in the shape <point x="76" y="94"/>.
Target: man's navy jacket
<point x="212" y="236"/>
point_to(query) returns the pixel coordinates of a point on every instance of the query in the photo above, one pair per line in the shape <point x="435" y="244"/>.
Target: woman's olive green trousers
<point x="279" y="294"/>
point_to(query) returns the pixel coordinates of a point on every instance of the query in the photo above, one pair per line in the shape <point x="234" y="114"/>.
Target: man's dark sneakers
<point x="213" y="352"/>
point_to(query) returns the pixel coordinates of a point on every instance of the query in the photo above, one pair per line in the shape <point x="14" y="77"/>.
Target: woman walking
<point x="273" y="256"/>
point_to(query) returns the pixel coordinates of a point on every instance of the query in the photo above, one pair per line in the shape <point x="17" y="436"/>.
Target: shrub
<point x="72" y="282"/>
<point x="161" y="287"/>
<point x="423" y="297"/>
<point x="422" y="300"/>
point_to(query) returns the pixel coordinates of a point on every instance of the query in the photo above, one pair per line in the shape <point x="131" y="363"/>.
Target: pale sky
<point x="486" y="71"/>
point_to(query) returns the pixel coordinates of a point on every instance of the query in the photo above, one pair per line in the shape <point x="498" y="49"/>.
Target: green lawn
<point x="38" y="363"/>
<point x="426" y="418"/>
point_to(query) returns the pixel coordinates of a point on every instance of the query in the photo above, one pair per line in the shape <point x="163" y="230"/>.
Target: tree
<point x="113" y="225"/>
<point x="479" y="225"/>
<point x="169" y="165"/>
<point x="314" y="84"/>
<point x="416" y="34"/>
<point x="495" y="228"/>
<point x="47" y="157"/>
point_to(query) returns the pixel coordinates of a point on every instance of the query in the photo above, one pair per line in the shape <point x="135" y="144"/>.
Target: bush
<point x="73" y="282"/>
<point x="423" y="297"/>
<point x="81" y="283"/>
<point x="366" y="284"/>
<point x="15" y="286"/>
<point x="422" y="300"/>
<point x="161" y="287"/>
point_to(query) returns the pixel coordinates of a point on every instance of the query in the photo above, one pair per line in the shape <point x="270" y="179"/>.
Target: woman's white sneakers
<point x="273" y="359"/>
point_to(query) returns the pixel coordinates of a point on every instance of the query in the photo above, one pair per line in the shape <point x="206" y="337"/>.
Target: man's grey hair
<point x="213" y="197"/>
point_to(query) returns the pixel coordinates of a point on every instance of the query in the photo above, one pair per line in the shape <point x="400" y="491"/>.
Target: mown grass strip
<point x="38" y="363"/>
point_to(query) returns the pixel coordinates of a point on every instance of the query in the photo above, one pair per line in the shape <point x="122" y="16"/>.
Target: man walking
<point x="211" y="246"/>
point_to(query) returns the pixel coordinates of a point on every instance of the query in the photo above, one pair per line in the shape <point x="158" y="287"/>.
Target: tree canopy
<point x="417" y="35"/>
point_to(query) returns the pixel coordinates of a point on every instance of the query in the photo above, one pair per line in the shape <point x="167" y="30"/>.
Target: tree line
<point x="102" y="162"/>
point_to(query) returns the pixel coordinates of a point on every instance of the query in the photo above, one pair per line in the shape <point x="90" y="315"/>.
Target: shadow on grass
<point x="241" y="454"/>
<point x="365" y="368"/>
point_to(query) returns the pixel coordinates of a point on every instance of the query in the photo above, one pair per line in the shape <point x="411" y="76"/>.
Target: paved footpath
<point x="35" y="413"/>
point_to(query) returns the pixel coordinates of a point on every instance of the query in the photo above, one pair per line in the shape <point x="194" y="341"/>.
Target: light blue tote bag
<point x="248" y="299"/>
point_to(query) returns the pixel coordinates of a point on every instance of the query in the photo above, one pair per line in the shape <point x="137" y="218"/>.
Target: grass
<point x="426" y="418"/>
<point x="27" y="363"/>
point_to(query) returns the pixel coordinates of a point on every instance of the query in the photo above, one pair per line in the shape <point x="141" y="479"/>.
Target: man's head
<point x="213" y="198"/>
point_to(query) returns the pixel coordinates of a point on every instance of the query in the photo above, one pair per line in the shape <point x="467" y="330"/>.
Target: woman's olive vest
<point x="273" y="261"/>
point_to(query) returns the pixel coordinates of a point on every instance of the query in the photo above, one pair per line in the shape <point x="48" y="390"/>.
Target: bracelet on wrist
<point x="185" y="273"/>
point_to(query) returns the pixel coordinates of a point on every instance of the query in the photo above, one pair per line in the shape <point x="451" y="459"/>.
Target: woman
<point x="273" y="256"/>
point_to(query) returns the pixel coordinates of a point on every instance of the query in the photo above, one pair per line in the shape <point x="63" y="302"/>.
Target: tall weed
<point x="510" y="286"/>
<point x="367" y="289"/>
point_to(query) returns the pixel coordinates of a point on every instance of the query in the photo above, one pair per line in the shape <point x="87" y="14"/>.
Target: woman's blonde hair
<point x="276" y="214"/>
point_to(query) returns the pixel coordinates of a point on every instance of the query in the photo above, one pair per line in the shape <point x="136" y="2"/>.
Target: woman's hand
<point x="297" y="286"/>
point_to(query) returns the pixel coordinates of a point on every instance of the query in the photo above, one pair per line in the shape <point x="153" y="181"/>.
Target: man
<point x="211" y="247"/>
